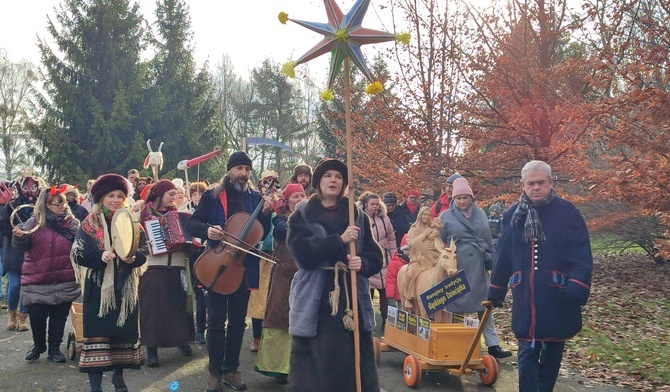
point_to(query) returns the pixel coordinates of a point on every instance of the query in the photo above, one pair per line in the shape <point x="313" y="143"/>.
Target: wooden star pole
<point x="352" y="245"/>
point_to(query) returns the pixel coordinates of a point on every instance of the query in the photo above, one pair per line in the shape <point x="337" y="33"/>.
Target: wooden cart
<point x="76" y="335"/>
<point x="451" y="348"/>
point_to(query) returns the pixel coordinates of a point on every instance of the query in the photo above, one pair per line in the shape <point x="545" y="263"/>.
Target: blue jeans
<point x="14" y="291"/>
<point x="539" y="365"/>
<point x="223" y="345"/>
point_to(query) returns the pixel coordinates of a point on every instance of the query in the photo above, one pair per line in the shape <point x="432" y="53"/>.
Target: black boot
<point x="152" y="357"/>
<point x="34" y="353"/>
<point x="55" y="354"/>
<point x="117" y="381"/>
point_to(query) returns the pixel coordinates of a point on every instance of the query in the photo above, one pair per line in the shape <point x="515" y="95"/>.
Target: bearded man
<point x="216" y="205"/>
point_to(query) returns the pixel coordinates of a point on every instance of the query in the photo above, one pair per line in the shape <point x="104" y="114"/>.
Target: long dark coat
<point x="86" y="253"/>
<point x="325" y="362"/>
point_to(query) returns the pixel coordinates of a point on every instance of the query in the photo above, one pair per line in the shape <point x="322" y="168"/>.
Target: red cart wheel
<point x="489" y="376"/>
<point x="377" y="345"/>
<point x="412" y="371"/>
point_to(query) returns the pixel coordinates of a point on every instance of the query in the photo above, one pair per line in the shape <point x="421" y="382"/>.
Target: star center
<point x="341" y="35"/>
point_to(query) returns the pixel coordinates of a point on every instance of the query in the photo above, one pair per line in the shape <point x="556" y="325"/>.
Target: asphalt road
<point x="189" y="374"/>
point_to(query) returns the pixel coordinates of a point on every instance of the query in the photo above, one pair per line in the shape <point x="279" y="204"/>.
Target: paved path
<point x="189" y="374"/>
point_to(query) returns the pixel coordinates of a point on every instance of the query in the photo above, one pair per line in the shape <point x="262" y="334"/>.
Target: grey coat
<point x="473" y="239"/>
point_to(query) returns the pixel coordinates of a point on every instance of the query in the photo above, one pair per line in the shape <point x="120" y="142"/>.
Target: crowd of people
<point x="59" y="250"/>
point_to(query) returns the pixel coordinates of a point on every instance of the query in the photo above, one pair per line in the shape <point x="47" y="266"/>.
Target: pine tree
<point x="187" y="102"/>
<point x="95" y="84"/>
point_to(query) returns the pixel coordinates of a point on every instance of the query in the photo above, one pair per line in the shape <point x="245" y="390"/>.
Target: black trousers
<point x="53" y="315"/>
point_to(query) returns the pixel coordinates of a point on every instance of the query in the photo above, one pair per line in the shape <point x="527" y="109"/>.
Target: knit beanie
<point x="412" y="192"/>
<point x="107" y="183"/>
<point x="453" y="178"/>
<point x="159" y="189"/>
<point x="238" y="158"/>
<point x="461" y="187"/>
<point x="495" y="207"/>
<point x="389" y="197"/>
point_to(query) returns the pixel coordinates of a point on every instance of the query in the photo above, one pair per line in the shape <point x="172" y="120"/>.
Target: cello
<point x="221" y="268"/>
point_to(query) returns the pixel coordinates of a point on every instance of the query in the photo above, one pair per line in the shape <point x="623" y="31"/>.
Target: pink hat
<point x="461" y="187"/>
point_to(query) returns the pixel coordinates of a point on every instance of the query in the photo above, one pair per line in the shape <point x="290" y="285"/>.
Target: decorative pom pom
<point x="283" y="17"/>
<point x="327" y="95"/>
<point x="374" y="88"/>
<point x="403" y="38"/>
<point x="288" y="69"/>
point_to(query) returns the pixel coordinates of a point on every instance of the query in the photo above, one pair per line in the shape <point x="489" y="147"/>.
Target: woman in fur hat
<point x="47" y="278"/>
<point x="163" y="288"/>
<point x="319" y="236"/>
<point x="111" y="339"/>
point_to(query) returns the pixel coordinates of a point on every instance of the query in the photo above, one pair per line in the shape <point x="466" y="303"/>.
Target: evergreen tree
<point x="95" y="83"/>
<point x="186" y="99"/>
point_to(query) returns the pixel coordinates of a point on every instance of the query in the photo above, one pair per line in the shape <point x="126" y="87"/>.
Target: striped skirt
<point x="103" y="354"/>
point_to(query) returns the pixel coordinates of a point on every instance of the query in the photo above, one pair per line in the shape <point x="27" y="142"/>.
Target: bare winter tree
<point x="16" y="88"/>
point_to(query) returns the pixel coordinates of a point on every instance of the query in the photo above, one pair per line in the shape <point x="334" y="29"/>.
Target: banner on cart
<point x="445" y="292"/>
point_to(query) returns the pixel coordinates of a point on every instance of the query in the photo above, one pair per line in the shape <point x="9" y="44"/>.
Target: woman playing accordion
<point x="163" y="287"/>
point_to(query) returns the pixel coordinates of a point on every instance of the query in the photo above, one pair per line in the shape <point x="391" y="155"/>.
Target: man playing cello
<point x="216" y="206"/>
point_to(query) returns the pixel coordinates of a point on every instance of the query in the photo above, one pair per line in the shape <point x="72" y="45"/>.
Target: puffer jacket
<point x="47" y="257"/>
<point x="382" y="231"/>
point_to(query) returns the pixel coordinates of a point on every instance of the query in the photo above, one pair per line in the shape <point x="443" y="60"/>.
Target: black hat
<point x="329" y="164"/>
<point x="238" y="158"/>
<point x="107" y="183"/>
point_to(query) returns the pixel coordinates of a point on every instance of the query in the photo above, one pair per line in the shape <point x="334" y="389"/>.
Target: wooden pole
<point x="352" y="245"/>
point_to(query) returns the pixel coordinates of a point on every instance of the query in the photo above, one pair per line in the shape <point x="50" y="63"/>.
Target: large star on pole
<point x="342" y="37"/>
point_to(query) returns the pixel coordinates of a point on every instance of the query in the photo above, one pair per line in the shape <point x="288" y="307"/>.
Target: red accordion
<point x="167" y="233"/>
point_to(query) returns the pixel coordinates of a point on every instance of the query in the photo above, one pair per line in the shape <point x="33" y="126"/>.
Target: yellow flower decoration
<point x="283" y="17"/>
<point x="327" y="95"/>
<point x="403" y="38"/>
<point x="374" y="88"/>
<point x="288" y="69"/>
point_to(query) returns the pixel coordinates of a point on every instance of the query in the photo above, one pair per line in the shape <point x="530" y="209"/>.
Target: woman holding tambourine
<point x="163" y="286"/>
<point x="47" y="277"/>
<point x="111" y="340"/>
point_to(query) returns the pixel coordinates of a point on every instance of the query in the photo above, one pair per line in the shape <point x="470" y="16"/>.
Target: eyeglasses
<point x="57" y="205"/>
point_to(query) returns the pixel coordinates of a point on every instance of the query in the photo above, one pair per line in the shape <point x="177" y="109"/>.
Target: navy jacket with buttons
<point x="550" y="280"/>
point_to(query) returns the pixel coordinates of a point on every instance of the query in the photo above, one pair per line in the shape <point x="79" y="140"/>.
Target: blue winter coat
<point x="210" y="212"/>
<point x="550" y="280"/>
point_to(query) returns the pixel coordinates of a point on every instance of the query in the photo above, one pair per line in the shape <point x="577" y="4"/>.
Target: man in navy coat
<point x="544" y="256"/>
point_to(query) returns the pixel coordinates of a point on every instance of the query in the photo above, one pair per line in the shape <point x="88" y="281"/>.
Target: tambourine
<point x="125" y="233"/>
<point x="13" y="218"/>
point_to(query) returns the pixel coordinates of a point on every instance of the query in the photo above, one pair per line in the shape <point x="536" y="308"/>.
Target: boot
<point x="34" y="353"/>
<point x="23" y="321"/>
<point x="11" y="320"/>
<point x="118" y="382"/>
<point x="55" y="354"/>
<point x="152" y="357"/>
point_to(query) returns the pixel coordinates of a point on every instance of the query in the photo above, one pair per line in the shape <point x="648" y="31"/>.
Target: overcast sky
<point x="248" y="30"/>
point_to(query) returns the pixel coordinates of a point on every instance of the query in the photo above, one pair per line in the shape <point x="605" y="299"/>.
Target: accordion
<point x="167" y="233"/>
